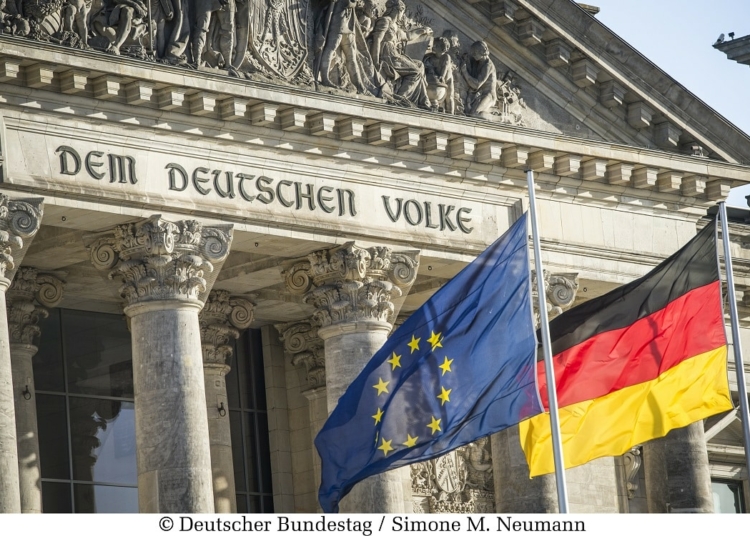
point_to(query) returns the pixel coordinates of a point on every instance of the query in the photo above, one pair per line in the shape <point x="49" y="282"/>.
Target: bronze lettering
<point x="387" y="202"/>
<point x="323" y="200"/>
<point x="342" y="202"/>
<point x="261" y="186"/>
<point x="91" y="166"/>
<point x="310" y="195"/>
<point x="444" y="217"/>
<point x="229" y="192"/>
<point x="241" y="186"/>
<point x="409" y="216"/>
<point x="461" y="220"/>
<point x="282" y="199"/>
<point x="173" y="170"/>
<point x="66" y="151"/>
<point x="198" y="180"/>
<point x="428" y="216"/>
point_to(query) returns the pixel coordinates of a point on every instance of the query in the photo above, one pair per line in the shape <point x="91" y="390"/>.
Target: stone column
<point x="306" y="349"/>
<point x="29" y="296"/>
<point x="351" y="289"/>
<point x="221" y="320"/>
<point x="514" y="490"/>
<point x="19" y="222"/>
<point x="678" y="478"/>
<point x="165" y="273"/>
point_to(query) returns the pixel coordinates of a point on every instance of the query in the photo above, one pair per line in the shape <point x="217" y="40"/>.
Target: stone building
<point x="213" y="213"/>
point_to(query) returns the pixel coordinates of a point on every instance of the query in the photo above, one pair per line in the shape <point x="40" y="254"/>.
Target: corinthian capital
<point x="28" y="297"/>
<point x="221" y="320"/>
<point x="19" y="221"/>
<point x="560" y="289"/>
<point x="302" y="344"/>
<point x="155" y="259"/>
<point x="350" y="283"/>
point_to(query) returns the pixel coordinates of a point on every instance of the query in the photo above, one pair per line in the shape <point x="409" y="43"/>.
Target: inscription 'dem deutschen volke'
<point x="251" y="188"/>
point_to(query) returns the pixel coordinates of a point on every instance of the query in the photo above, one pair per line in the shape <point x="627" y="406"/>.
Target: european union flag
<point x="460" y="368"/>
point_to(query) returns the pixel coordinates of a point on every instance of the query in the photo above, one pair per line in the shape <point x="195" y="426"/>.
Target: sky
<point x="677" y="35"/>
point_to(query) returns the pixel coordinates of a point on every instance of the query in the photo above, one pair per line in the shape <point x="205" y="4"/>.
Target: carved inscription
<point x="417" y="213"/>
<point x="265" y="190"/>
<point x="258" y="189"/>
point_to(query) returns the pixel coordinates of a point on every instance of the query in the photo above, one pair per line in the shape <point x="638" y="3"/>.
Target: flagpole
<point x="736" y="345"/>
<point x="562" y="491"/>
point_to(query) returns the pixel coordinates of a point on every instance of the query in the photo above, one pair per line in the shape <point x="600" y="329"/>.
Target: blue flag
<point x="461" y="367"/>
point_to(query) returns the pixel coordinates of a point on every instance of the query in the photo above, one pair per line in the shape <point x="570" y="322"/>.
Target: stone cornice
<point x="361" y="120"/>
<point x="157" y="260"/>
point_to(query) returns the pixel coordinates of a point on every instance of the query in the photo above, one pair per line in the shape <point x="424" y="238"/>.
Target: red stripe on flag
<point x="689" y="325"/>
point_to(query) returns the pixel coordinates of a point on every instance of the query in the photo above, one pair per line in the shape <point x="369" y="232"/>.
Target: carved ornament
<point x="459" y="482"/>
<point x="302" y="344"/>
<point x="155" y="259"/>
<point x="560" y="290"/>
<point x="19" y="220"/>
<point x="221" y="320"/>
<point x="29" y="296"/>
<point x="350" y="283"/>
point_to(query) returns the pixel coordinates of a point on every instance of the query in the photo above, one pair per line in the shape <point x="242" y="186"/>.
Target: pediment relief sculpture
<point x="381" y="49"/>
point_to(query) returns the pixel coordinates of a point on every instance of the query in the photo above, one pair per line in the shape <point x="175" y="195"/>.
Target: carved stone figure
<point x="122" y="22"/>
<point x="366" y="15"/>
<point x="223" y="12"/>
<point x="481" y="76"/>
<point x="75" y="19"/>
<point x="388" y="39"/>
<point x="341" y="35"/>
<point x="439" y="75"/>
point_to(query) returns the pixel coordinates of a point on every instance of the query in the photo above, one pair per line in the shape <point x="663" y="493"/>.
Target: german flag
<point x="632" y="365"/>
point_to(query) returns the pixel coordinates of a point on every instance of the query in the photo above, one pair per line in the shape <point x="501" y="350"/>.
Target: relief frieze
<point x="390" y="50"/>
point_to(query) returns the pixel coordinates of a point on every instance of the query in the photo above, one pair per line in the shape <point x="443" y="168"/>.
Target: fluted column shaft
<point x="10" y="499"/>
<point x="163" y="268"/>
<point x="351" y="289"/>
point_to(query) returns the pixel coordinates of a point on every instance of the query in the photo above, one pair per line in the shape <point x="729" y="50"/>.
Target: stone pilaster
<point x="678" y="477"/>
<point x="163" y="268"/>
<point x="514" y="490"/>
<point x="28" y="298"/>
<point x="19" y="222"/>
<point x="305" y="349"/>
<point x="352" y="289"/>
<point x="221" y="320"/>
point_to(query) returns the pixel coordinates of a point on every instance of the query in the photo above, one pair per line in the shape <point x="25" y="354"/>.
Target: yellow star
<point x="446" y="366"/>
<point x="386" y="447"/>
<point x="381" y="386"/>
<point x="444" y="396"/>
<point x="378" y="416"/>
<point x="435" y="425"/>
<point x="414" y="344"/>
<point x="395" y="361"/>
<point x="410" y="441"/>
<point x="435" y="340"/>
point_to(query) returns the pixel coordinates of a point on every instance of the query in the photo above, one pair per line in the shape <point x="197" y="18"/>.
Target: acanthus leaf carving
<point x="27" y="299"/>
<point x="560" y="290"/>
<point x="302" y="344"/>
<point x="349" y="283"/>
<point x="19" y="220"/>
<point x="221" y="320"/>
<point x="159" y="260"/>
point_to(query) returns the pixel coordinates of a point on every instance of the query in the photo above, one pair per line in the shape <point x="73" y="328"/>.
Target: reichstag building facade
<point x="213" y="212"/>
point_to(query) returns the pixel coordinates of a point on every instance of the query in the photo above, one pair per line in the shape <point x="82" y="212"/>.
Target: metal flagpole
<point x="562" y="490"/>
<point x="734" y="317"/>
